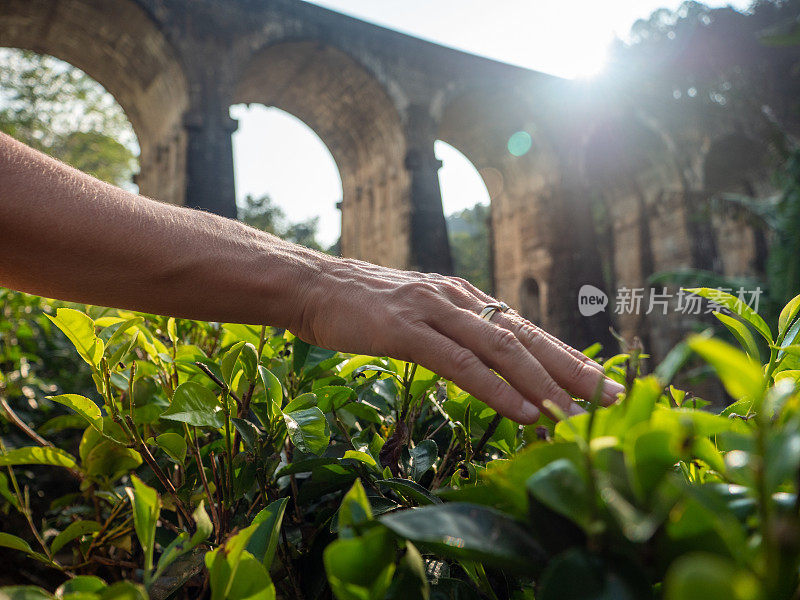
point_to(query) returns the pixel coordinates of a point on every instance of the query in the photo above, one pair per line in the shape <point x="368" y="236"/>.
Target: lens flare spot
<point x="520" y="143"/>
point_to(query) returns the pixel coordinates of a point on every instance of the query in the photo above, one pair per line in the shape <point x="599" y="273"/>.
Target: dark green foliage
<point x="61" y="111"/>
<point x="232" y="461"/>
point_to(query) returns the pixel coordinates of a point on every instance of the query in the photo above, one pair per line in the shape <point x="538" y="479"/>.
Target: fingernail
<point x="529" y="413"/>
<point x="611" y="389"/>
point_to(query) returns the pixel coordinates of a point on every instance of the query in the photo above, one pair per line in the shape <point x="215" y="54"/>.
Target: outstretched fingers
<point x="500" y="349"/>
<point x="453" y="361"/>
<point x="575" y="375"/>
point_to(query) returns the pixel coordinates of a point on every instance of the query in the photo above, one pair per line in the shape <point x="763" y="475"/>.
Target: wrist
<point x="298" y="285"/>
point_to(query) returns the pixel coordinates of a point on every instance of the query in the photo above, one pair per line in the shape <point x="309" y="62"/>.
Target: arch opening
<point x="498" y="132"/>
<point x="124" y="51"/>
<point x="358" y="123"/>
<point x="278" y="156"/>
<point x="465" y="201"/>
<point x="58" y="109"/>
<point x="530" y="300"/>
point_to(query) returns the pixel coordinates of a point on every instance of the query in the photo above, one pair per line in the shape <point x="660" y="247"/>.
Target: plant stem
<point x="14" y="418"/>
<point x="229" y="448"/>
<point x="23" y="501"/>
<point x="221" y="384"/>
<point x="476" y="453"/>
<point x="342" y="428"/>
<point x="162" y="477"/>
<point x="202" y="472"/>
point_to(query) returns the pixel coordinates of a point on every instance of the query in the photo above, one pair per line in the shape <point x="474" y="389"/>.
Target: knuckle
<point x="530" y="334"/>
<point x="462" y="360"/>
<point x="504" y="342"/>
<point x="577" y="370"/>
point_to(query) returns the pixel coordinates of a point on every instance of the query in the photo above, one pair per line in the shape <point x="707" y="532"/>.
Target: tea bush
<point x="237" y="462"/>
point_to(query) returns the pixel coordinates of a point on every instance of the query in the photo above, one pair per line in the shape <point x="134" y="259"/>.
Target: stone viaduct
<point x="379" y="99"/>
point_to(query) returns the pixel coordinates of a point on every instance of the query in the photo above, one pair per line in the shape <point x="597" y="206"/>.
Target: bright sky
<point x="278" y="155"/>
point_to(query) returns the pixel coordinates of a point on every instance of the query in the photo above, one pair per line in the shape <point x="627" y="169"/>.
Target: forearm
<point x="66" y="235"/>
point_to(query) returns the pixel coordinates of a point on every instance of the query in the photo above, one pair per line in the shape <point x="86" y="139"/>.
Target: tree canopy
<point x="58" y="109"/>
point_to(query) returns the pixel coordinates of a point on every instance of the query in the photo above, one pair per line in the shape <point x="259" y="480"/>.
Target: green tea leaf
<point x="300" y="350"/>
<point x="110" y="460"/>
<point x="741" y="333"/>
<point x="410" y="489"/>
<point x="182" y="544"/>
<point x="83" y="406"/>
<point x="264" y="541"/>
<point x="15" y="543"/>
<point x="787" y="315"/>
<point x="410" y="579"/>
<point x="5" y="491"/>
<point x="235" y="574"/>
<point x="195" y="405"/>
<point x="24" y="592"/>
<point x="249" y="432"/>
<point x="172" y="330"/>
<point x="422" y="457"/>
<point x="229" y="361"/>
<point x="36" y="455"/>
<point x="354" y="510"/>
<point x="272" y="386"/>
<point x="363" y="457"/>
<point x="361" y="568"/>
<point x="79" y="328"/>
<point x="697" y="576"/>
<point x="174" y="445"/>
<point x="653" y="454"/>
<point x="468" y="531"/>
<point x="124" y="590"/>
<point x="146" y="509"/>
<point x="308" y="430"/>
<point x="251" y="581"/>
<point x="562" y="488"/>
<point x="302" y="402"/>
<point x="74" y="530"/>
<point x="333" y="397"/>
<point x="740" y="374"/>
<point x="736" y="306"/>
<point x="82" y="584"/>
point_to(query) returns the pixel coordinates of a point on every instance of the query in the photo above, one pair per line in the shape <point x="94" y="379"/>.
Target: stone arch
<point x="356" y="119"/>
<point x="530" y="299"/>
<point x="478" y="123"/>
<point x="735" y="163"/>
<point x="630" y="172"/>
<point x="540" y="227"/>
<point x="122" y="48"/>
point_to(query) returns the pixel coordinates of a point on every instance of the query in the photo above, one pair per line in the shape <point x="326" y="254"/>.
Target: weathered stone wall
<point x="379" y="99"/>
<point x="119" y="45"/>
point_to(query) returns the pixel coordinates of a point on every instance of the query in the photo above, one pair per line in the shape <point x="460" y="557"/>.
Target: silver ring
<point x="488" y="311"/>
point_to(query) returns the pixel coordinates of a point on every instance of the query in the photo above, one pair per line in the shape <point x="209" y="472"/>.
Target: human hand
<point x="432" y="320"/>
